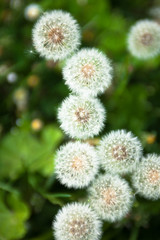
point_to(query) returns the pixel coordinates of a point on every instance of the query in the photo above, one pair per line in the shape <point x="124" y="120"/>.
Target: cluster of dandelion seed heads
<point x="111" y="197"/>
<point x="88" y="72"/>
<point x="76" y="164"/>
<point x="56" y="35"/>
<point x="146" y="178"/>
<point x="77" y="221"/>
<point x="119" y="151"/>
<point x="81" y="117"/>
<point x="144" y="39"/>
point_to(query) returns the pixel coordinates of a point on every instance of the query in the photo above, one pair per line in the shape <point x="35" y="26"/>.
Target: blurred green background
<point x="31" y="89"/>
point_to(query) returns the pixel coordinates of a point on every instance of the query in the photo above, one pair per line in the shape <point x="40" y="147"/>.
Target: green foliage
<point x="21" y="151"/>
<point x="29" y="194"/>
<point x="13" y="214"/>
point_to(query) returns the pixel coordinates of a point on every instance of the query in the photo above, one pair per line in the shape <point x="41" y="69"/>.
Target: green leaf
<point x="52" y="135"/>
<point x="13" y="215"/>
<point x="54" y="198"/>
<point x="8" y="188"/>
<point x="21" y="151"/>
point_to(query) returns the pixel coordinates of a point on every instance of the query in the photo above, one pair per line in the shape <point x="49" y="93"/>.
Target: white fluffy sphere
<point x="76" y="221"/>
<point x="146" y="178"/>
<point x="120" y="151"/>
<point x="111" y="197"/>
<point x="88" y="72"/>
<point x="76" y="164"/>
<point x="56" y="35"/>
<point x="81" y="117"/>
<point x="144" y="39"/>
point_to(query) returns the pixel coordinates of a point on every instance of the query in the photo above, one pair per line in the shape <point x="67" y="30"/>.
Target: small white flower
<point x="88" y="72"/>
<point x="120" y="151"/>
<point x="12" y="77"/>
<point x="111" y="197"/>
<point x="144" y="39"/>
<point x="32" y="11"/>
<point x="146" y="178"/>
<point x="81" y="117"/>
<point x="76" y="221"/>
<point x="76" y="164"/>
<point x="56" y="35"/>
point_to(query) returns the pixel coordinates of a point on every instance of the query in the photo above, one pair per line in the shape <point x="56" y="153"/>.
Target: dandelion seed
<point x="76" y="164"/>
<point x="88" y="72"/>
<point x="76" y="221"/>
<point x="111" y="197"/>
<point x="144" y="39"/>
<point x="146" y="178"/>
<point x="120" y="152"/>
<point x="81" y="117"/>
<point x="56" y="35"/>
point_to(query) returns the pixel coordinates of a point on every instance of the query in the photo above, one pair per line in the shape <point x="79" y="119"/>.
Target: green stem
<point x="134" y="233"/>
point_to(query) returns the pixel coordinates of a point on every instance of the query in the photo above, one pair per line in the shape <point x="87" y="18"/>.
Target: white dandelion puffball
<point x="88" y="72"/>
<point x="76" y="164"/>
<point x="144" y="39"/>
<point x="120" y="152"/>
<point x="32" y="11"/>
<point x="81" y="117"/>
<point x="146" y="178"/>
<point x="111" y="197"/>
<point x="77" y="221"/>
<point x="56" y="35"/>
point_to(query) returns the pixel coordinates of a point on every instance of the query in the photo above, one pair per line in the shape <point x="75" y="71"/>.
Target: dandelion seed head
<point x="120" y="152"/>
<point x="111" y="197"/>
<point x="88" y="72"/>
<point x="77" y="221"/>
<point x="76" y="164"/>
<point x="56" y="35"/>
<point x="144" y="39"/>
<point x="81" y="117"/>
<point x="146" y="178"/>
